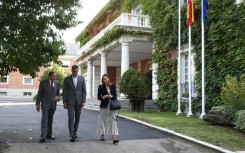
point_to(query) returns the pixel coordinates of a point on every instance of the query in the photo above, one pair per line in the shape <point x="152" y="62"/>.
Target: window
<point x="137" y="10"/>
<point x="3" y="93"/>
<point x="185" y="86"/>
<point x="27" y="94"/>
<point x="186" y="69"/>
<point x="27" y="80"/>
<point x="186" y="75"/>
<point x="66" y="63"/>
<point x="3" y="80"/>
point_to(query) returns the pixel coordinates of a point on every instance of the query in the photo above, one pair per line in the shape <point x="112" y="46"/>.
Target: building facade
<point x="128" y="50"/>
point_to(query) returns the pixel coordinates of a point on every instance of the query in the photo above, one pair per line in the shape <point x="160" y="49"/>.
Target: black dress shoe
<point x="42" y="140"/>
<point x="72" y="139"/>
<point x="75" y="135"/>
<point x="115" y="141"/>
<point x="102" y="139"/>
<point x="51" y="137"/>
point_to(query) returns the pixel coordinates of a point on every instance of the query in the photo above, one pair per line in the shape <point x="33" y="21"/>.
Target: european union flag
<point x="205" y="10"/>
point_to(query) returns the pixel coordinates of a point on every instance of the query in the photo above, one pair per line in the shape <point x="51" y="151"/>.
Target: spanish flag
<point x="190" y="13"/>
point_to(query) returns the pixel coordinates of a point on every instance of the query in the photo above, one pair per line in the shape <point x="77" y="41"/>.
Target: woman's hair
<point x="105" y="75"/>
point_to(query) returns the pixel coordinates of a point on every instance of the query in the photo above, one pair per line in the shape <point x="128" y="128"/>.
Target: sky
<point x="88" y="11"/>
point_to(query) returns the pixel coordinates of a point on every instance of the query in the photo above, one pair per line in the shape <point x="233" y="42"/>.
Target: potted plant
<point x="134" y="88"/>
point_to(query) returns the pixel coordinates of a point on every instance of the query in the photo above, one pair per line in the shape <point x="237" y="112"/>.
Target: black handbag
<point x="115" y="104"/>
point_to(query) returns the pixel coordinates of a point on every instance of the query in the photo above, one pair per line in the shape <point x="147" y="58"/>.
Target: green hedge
<point x="221" y="115"/>
<point x="240" y="120"/>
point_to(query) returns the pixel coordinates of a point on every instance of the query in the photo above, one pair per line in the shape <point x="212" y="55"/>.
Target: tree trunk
<point x="137" y="105"/>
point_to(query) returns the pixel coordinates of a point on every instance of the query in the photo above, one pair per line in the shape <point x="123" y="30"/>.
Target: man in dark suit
<point x="74" y="97"/>
<point x="48" y="95"/>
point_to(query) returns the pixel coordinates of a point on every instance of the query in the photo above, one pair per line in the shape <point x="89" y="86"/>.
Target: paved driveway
<point x="20" y="131"/>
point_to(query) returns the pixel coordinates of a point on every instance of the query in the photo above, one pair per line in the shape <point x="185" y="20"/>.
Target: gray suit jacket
<point x="44" y="95"/>
<point x="72" y="94"/>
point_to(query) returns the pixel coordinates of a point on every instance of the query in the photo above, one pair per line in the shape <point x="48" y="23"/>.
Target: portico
<point x="129" y="50"/>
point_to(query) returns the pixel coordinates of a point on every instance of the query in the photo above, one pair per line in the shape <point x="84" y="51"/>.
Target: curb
<point x="172" y="133"/>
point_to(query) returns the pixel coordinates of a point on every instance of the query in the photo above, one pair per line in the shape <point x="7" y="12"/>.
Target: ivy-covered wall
<point x="224" y="46"/>
<point x="224" y="43"/>
<point x="112" y="10"/>
<point x="164" y="20"/>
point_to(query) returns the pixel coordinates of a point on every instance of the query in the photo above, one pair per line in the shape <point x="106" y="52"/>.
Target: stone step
<point x="149" y="104"/>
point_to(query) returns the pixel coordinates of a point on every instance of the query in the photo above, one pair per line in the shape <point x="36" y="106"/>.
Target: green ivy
<point x="116" y="8"/>
<point x="224" y="47"/>
<point x="164" y="22"/>
<point x="112" y="35"/>
<point x="240" y="120"/>
<point x="224" y="44"/>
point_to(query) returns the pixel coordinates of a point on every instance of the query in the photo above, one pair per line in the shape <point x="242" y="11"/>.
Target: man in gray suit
<point x="48" y="95"/>
<point x="74" y="98"/>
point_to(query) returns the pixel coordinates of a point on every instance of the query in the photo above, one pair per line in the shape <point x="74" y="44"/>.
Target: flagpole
<point x="189" y="68"/>
<point x="179" y="37"/>
<point x="203" y="59"/>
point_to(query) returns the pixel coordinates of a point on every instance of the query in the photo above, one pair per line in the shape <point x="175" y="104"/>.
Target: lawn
<point x="222" y="136"/>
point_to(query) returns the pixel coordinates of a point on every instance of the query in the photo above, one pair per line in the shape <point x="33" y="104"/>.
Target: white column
<point x="103" y="64"/>
<point x="80" y="72"/>
<point x="125" y="57"/>
<point x="154" y="81"/>
<point x="89" y="79"/>
<point x="154" y="78"/>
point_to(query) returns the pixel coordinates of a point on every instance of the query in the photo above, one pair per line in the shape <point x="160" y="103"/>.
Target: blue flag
<point x="205" y="10"/>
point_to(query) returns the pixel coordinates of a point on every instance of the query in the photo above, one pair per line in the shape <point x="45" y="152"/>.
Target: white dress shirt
<point x="74" y="81"/>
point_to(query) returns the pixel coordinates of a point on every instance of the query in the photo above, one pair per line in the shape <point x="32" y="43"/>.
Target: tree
<point x="135" y="88"/>
<point x="60" y="73"/>
<point x="30" y="33"/>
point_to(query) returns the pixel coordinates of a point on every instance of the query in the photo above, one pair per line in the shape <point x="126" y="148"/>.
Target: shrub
<point x="196" y="105"/>
<point x="221" y="115"/>
<point x="166" y="105"/>
<point x="132" y="85"/>
<point x="240" y="120"/>
<point x="233" y="92"/>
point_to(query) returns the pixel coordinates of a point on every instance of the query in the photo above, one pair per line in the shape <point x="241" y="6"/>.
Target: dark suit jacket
<point x="44" y="95"/>
<point x="103" y="91"/>
<point x="72" y="94"/>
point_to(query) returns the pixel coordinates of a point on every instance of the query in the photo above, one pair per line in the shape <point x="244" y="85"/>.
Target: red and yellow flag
<point x="190" y="13"/>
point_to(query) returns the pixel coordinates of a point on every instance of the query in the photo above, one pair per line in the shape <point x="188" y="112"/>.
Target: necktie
<point x="75" y="82"/>
<point x="52" y="87"/>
